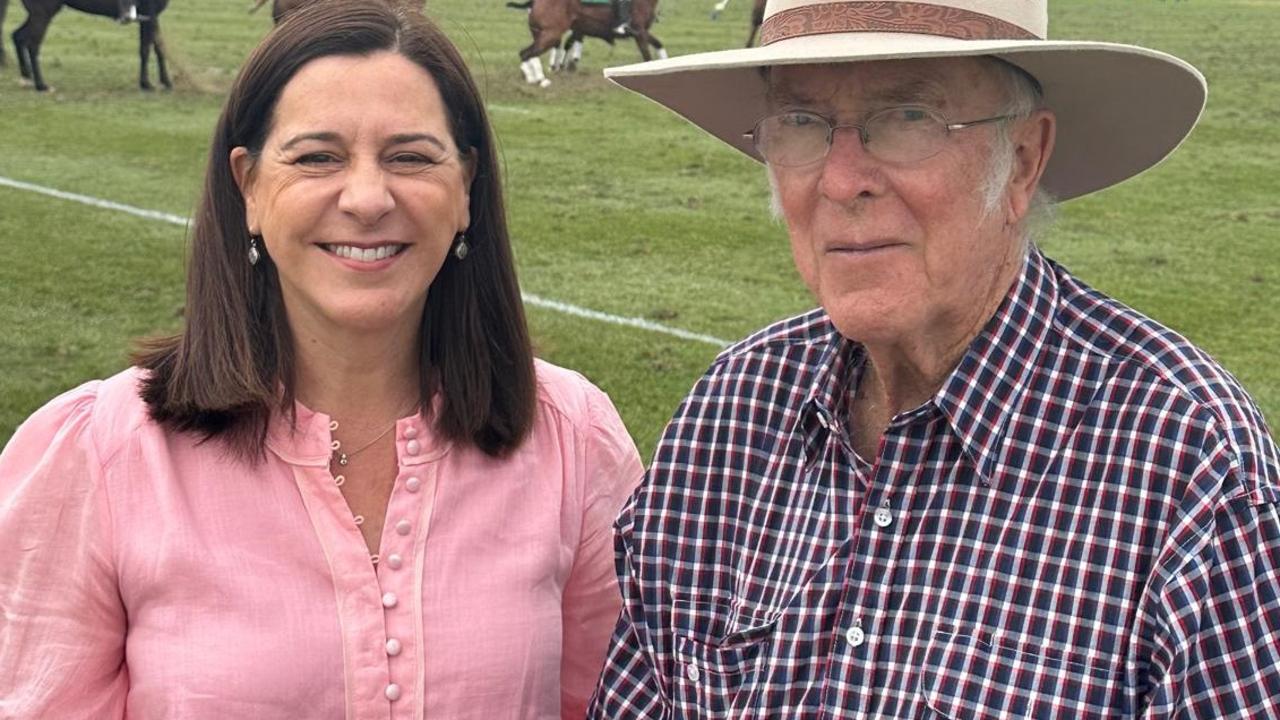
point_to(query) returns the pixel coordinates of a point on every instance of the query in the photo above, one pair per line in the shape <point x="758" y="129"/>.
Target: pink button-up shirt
<point x="144" y="574"/>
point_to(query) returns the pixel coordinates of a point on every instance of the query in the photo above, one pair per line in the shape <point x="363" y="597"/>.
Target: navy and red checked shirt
<point x="1083" y="522"/>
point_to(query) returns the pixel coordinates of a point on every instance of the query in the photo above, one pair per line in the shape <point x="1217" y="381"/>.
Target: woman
<point x="346" y="489"/>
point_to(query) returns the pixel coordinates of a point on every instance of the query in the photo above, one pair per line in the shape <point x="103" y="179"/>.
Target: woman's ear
<point x="467" y="162"/>
<point x="242" y="167"/>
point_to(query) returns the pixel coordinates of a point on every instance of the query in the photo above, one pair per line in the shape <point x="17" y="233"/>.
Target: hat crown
<point x="960" y="19"/>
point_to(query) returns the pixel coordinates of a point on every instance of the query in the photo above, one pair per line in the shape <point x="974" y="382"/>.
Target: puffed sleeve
<point x="591" y="600"/>
<point x="62" y="625"/>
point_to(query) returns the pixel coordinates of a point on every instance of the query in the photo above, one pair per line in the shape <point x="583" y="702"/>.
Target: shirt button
<point x="883" y="517"/>
<point x="412" y="484"/>
<point x="692" y="673"/>
<point x="855" y="637"/>
<point x="393" y="692"/>
<point x="410" y="432"/>
<point x="394" y="561"/>
<point x="412" y="447"/>
<point x="389" y="600"/>
<point x="403" y="527"/>
<point x="393" y="647"/>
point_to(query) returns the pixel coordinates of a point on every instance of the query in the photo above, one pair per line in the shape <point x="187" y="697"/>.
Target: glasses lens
<point x="791" y="139"/>
<point x="905" y="134"/>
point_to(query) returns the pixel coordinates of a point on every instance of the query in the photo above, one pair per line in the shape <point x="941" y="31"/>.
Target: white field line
<point x="530" y="299"/>
<point x="510" y="109"/>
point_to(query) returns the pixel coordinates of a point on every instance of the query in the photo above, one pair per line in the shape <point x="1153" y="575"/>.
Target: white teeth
<point x="364" y="254"/>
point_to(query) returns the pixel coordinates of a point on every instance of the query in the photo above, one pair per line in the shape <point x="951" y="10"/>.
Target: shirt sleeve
<point x="1221" y="655"/>
<point x="63" y="629"/>
<point x="629" y="687"/>
<point x="590" y="605"/>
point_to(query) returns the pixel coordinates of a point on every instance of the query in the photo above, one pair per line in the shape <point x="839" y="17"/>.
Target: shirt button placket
<point x="393" y="579"/>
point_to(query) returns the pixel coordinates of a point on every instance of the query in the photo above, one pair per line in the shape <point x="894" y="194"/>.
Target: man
<point x="968" y="486"/>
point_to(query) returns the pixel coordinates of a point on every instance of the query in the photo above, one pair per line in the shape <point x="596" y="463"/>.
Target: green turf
<point x="615" y="205"/>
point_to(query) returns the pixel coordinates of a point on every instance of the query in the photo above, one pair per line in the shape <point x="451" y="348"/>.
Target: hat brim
<point x="1120" y="109"/>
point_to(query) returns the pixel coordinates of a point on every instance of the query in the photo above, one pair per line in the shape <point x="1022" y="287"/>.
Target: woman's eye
<point x="411" y="159"/>
<point x="316" y="158"/>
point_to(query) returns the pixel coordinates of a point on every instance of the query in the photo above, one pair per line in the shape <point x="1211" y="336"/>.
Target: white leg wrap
<point x="662" y="53"/>
<point x="556" y="58"/>
<point x="577" y="51"/>
<point x="526" y="67"/>
<point x="720" y="6"/>
<point x="538" y="76"/>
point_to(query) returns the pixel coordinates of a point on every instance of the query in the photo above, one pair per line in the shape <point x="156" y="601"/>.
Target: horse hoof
<point x="146" y="87"/>
<point x="544" y="83"/>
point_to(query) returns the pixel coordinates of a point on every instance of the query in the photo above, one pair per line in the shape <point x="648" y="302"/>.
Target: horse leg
<point x="657" y="45"/>
<point x="149" y="38"/>
<point x="575" y="55"/>
<point x="27" y="40"/>
<point x="531" y="57"/>
<point x="642" y="42"/>
<point x="751" y="38"/>
<point x="557" y="56"/>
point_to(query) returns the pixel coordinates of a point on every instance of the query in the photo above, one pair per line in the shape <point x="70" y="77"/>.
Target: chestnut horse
<point x="549" y="20"/>
<point x="30" y="35"/>
<point x="280" y="8"/>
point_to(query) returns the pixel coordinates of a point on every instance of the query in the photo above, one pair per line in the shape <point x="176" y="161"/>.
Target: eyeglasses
<point x="895" y="135"/>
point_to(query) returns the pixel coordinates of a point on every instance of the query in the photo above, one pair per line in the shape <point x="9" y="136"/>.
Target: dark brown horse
<point x="280" y="8"/>
<point x="30" y="35"/>
<point x="549" y="20"/>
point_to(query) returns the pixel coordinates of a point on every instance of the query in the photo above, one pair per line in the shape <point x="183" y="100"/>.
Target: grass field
<point x="615" y="205"/>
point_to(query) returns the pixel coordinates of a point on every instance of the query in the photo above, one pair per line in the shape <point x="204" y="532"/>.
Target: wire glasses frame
<point x="900" y="135"/>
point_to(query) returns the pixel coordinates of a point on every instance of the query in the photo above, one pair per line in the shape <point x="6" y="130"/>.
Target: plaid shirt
<point x="1084" y="522"/>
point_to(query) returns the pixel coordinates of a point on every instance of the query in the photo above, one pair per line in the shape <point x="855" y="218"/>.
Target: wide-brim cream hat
<point x="1120" y="108"/>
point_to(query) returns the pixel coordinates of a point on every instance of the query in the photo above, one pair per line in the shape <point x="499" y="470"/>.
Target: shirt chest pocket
<point x="719" y="651"/>
<point x="980" y="677"/>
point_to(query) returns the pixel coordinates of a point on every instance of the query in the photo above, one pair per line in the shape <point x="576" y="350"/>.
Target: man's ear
<point x="1033" y="139"/>
<point x="243" y="164"/>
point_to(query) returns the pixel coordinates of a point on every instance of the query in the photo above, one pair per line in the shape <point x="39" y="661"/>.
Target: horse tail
<point x="521" y="5"/>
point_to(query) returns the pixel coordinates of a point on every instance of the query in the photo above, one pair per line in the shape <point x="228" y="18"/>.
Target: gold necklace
<point x="342" y="458"/>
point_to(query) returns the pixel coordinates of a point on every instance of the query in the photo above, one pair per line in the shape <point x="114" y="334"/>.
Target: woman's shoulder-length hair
<point x="232" y="366"/>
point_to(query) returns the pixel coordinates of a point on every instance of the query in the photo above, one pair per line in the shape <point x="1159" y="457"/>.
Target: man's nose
<point x="848" y="170"/>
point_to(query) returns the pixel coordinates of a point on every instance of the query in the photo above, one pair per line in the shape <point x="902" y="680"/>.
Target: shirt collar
<point x="307" y="440"/>
<point x="984" y="390"/>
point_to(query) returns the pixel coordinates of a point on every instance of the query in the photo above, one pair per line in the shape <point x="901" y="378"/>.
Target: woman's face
<point x="358" y="193"/>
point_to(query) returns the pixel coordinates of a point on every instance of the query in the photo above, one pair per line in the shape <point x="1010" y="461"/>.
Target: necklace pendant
<point x="342" y="459"/>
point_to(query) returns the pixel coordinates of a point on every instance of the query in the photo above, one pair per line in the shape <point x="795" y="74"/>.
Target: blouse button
<point x="394" y="561"/>
<point x="412" y="484"/>
<point x="412" y="447"/>
<point x="393" y="647"/>
<point x="410" y="433"/>
<point x="692" y="673"/>
<point x="403" y="527"/>
<point x="389" y="600"/>
<point x="393" y="692"/>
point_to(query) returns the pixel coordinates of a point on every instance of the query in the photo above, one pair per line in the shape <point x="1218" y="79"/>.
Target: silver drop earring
<point x="254" y="254"/>
<point x="461" y="248"/>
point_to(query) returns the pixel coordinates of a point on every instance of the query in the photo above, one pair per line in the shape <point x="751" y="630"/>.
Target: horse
<point x="757" y="19"/>
<point x="567" y="58"/>
<point x="30" y="35"/>
<point x="550" y="19"/>
<point x="280" y="8"/>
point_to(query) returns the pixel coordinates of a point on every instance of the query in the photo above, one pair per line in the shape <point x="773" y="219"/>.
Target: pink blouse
<point x="144" y="574"/>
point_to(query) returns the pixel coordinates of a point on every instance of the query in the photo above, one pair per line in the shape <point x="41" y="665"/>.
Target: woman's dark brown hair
<point x="233" y="366"/>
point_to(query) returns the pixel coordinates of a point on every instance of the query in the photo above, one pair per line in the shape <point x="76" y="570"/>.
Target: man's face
<point x="898" y="253"/>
